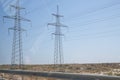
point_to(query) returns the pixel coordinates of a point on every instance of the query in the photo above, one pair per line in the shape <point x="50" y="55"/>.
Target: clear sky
<point x="93" y="35"/>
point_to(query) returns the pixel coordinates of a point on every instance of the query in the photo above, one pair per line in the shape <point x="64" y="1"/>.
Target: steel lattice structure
<point x="17" y="51"/>
<point x="58" y="49"/>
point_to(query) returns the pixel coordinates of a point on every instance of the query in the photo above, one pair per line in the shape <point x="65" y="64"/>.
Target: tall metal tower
<point x="58" y="49"/>
<point x="17" y="52"/>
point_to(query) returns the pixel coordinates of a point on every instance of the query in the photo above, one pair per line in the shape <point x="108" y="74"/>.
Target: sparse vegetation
<point x="103" y="69"/>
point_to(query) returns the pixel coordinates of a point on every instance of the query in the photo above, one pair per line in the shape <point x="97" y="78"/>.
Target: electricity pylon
<point x="17" y="51"/>
<point x="58" y="49"/>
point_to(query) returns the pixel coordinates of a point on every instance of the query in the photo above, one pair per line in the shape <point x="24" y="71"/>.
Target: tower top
<point x="57" y="13"/>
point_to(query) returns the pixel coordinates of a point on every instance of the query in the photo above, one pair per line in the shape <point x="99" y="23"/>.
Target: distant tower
<point x="17" y="52"/>
<point x="58" y="51"/>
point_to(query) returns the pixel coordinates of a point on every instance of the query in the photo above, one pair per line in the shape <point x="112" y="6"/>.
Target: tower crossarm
<point x="14" y="17"/>
<point x="24" y="19"/>
<point x="10" y="17"/>
<point x="57" y="24"/>
<point x="17" y="7"/>
<point x="12" y="28"/>
<point x="62" y="25"/>
<point x="58" y="34"/>
<point x="52" y="24"/>
<point x="57" y="15"/>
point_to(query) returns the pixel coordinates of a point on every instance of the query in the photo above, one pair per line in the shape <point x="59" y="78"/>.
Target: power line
<point x="97" y="34"/>
<point x="36" y="9"/>
<point x="100" y="20"/>
<point x="7" y="4"/>
<point x="93" y="11"/>
<point x="115" y="26"/>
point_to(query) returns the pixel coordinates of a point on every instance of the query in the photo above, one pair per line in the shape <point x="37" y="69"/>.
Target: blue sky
<point x="93" y="35"/>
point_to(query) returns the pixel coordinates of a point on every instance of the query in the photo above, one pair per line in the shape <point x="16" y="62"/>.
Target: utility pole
<point x="17" y="51"/>
<point x="58" y="49"/>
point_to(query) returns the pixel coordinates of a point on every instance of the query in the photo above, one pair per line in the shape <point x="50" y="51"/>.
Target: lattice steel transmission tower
<point x="58" y="49"/>
<point x="17" y="51"/>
